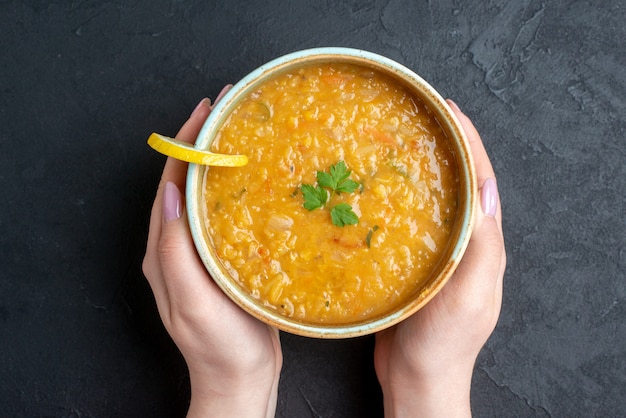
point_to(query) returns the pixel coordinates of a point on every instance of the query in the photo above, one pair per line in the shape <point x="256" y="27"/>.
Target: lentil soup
<point x="296" y="260"/>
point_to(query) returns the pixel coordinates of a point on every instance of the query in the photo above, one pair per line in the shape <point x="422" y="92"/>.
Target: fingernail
<point x="223" y="92"/>
<point x="454" y="105"/>
<point x="203" y="103"/>
<point x="489" y="197"/>
<point x="172" y="207"/>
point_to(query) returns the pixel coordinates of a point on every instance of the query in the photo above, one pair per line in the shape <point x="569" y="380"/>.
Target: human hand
<point x="234" y="360"/>
<point x="425" y="363"/>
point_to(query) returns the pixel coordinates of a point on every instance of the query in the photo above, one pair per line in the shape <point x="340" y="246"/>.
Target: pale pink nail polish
<point x="223" y="92"/>
<point x="172" y="207"/>
<point x="453" y="105"/>
<point x="489" y="197"/>
<point x="204" y="102"/>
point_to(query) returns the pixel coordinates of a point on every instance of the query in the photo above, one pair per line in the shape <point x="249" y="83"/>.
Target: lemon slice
<point x="185" y="152"/>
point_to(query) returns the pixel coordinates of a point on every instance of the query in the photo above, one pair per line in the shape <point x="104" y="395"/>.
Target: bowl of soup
<point x="356" y="204"/>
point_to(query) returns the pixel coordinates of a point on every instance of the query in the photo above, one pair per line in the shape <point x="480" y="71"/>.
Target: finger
<point x="187" y="281"/>
<point x="222" y="93"/>
<point x="482" y="164"/>
<point x="482" y="267"/>
<point x="151" y="264"/>
<point x="486" y="178"/>
<point x="174" y="171"/>
<point x="477" y="284"/>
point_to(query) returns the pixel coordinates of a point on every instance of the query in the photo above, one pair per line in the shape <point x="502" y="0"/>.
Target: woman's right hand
<point x="425" y="363"/>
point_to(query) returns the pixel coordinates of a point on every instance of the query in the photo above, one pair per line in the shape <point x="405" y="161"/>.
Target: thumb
<point x="185" y="275"/>
<point x="479" y="275"/>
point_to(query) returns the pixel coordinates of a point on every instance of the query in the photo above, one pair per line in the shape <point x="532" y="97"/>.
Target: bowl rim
<point x="465" y="211"/>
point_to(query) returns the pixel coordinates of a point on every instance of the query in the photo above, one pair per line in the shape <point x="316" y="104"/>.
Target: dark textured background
<point x="83" y="83"/>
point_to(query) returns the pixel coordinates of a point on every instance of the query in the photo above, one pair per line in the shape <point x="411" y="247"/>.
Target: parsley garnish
<point x="337" y="180"/>
<point x="315" y="197"/>
<point x="343" y="215"/>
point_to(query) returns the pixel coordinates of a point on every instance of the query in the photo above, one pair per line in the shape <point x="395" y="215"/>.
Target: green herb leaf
<point x="368" y="238"/>
<point x="347" y="186"/>
<point x="343" y="215"/>
<point x="337" y="180"/>
<point x="314" y="197"/>
<point x="325" y="180"/>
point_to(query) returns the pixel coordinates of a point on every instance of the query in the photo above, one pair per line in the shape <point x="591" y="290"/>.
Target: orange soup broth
<point x="296" y="260"/>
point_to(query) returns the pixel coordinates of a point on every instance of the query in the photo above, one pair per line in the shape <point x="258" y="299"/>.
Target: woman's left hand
<point x="234" y="360"/>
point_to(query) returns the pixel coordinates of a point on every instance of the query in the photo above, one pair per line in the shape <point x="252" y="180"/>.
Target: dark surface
<point x="82" y="84"/>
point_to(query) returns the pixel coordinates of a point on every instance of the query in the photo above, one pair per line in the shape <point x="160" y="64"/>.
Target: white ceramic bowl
<point x="465" y="211"/>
